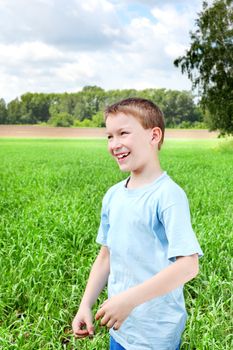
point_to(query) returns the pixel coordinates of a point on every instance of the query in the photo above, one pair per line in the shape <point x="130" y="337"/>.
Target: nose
<point x="115" y="144"/>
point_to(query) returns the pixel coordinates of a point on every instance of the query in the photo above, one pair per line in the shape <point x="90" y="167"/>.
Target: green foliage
<point x="34" y="108"/>
<point x="88" y="104"/>
<point x="178" y="107"/>
<point x="85" y="123"/>
<point x="3" y="111"/>
<point x="189" y="125"/>
<point x="50" y="201"/>
<point x="98" y="120"/>
<point x="14" y="112"/>
<point x="209" y="63"/>
<point x="61" y="119"/>
<point x="62" y="103"/>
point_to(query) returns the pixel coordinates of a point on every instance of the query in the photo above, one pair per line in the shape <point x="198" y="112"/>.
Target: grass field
<point x="50" y="201"/>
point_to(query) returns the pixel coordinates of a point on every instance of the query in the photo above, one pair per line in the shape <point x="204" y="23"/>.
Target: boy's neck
<point x="144" y="178"/>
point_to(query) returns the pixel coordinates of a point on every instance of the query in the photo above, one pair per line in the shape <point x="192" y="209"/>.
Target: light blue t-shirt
<point x="144" y="230"/>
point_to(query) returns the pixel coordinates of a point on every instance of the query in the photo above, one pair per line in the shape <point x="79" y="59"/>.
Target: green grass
<point x="50" y="200"/>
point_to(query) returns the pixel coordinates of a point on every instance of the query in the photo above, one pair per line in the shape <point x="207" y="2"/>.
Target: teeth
<point x="122" y="155"/>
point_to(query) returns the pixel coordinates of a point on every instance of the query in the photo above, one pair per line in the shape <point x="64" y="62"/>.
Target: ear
<point x="156" y="135"/>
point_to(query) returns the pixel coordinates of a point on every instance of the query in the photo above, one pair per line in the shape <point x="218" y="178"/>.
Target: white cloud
<point x="174" y="50"/>
<point x="63" y="46"/>
<point x="28" y="51"/>
<point x="94" y="5"/>
<point x="81" y="70"/>
<point x="68" y="24"/>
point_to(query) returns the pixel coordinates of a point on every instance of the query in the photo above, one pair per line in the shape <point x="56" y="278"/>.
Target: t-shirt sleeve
<point x="176" y="220"/>
<point x="104" y="225"/>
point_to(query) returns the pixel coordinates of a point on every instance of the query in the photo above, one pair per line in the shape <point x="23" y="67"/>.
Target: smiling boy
<point x="148" y="248"/>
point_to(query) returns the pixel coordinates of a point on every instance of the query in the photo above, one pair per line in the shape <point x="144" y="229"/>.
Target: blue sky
<point x="60" y="45"/>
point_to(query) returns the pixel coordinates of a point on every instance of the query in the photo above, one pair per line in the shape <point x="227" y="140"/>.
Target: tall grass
<point x="50" y="200"/>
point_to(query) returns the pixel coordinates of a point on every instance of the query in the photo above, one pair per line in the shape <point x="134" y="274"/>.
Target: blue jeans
<point x="116" y="346"/>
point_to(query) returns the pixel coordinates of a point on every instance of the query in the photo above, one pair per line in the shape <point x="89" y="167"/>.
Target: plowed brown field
<point x="34" y="131"/>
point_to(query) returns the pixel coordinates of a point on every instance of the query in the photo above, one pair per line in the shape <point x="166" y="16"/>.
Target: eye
<point x="109" y="137"/>
<point x="124" y="132"/>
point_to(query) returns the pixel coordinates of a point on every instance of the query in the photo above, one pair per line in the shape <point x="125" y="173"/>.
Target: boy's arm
<point x="82" y="324"/>
<point x="114" y="311"/>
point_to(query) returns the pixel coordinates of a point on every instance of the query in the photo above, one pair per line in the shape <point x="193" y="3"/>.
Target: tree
<point x="14" y="112"/>
<point x="3" y="111"/>
<point x="34" y="108"/>
<point x="209" y="63"/>
<point x="178" y="107"/>
<point x="62" y="119"/>
<point x="62" y="103"/>
<point x="88" y="102"/>
<point x="98" y="120"/>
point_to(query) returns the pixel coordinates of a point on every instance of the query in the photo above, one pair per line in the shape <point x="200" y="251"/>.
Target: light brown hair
<point x="148" y="113"/>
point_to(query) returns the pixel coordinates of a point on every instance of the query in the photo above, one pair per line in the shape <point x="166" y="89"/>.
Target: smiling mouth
<point x="122" y="155"/>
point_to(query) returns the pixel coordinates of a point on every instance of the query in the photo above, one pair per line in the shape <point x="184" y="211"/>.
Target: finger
<point x="104" y="320"/>
<point x="77" y="326"/>
<point x="81" y="336"/>
<point x="81" y="333"/>
<point x="76" y="329"/>
<point x="90" y="328"/>
<point x="110" y="323"/>
<point x="116" y="326"/>
<point x="100" y="313"/>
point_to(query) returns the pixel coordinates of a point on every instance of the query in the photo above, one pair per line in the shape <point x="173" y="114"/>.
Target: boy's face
<point x="129" y="143"/>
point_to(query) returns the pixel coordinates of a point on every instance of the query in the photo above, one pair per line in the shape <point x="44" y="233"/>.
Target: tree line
<point x="85" y="108"/>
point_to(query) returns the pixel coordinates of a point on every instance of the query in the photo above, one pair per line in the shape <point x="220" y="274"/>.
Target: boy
<point x="149" y="249"/>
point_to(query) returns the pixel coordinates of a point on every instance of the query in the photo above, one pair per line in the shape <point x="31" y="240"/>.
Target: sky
<point x="64" y="45"/>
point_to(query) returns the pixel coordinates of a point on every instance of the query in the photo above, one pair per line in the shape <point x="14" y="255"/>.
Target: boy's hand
<point x="114" y="311"/>
<point x="82" y="324"/>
